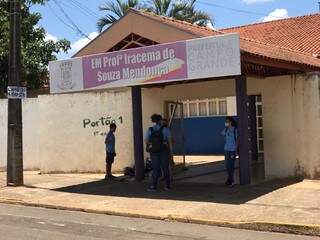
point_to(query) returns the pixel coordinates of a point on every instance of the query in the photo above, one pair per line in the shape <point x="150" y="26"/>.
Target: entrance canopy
<point x="209" y="57"/>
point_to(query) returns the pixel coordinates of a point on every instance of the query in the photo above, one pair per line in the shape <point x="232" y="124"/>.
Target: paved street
<point x="28" y="223"/>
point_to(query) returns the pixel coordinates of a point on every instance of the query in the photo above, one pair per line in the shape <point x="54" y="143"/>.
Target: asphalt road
<point x="28" y="223"/>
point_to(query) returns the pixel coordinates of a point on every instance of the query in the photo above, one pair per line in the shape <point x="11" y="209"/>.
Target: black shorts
<point x="110" y="157"/>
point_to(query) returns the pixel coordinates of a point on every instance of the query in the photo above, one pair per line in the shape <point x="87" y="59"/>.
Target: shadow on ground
<point x="184" y="189"/>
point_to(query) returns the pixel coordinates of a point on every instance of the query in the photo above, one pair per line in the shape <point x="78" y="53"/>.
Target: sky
<point x="225" y="13"/>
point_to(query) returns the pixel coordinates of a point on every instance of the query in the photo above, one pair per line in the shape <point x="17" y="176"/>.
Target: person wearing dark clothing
<point x="158" y="140"/>
<point x="110" y="143"/>
<point x="165" y="124"/>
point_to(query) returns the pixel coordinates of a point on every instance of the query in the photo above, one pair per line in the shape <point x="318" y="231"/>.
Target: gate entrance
<point x="196" y="114"/>
<point x="175" y="115"/>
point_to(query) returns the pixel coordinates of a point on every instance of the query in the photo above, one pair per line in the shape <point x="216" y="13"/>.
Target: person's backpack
<point x="156" y="141"/>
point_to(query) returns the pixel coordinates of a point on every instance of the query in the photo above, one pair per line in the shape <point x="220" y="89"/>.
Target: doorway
<point x="197" y="113"/>
<point x="196" y="126"/>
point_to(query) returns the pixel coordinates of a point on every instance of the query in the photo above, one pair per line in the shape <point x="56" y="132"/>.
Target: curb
<point x="279" y="227"/>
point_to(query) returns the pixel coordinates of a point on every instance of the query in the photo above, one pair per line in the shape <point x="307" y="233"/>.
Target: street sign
<point x="14" y="92"/>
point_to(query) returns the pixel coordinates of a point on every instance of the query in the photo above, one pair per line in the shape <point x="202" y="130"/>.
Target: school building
<point x="265" y="74"/>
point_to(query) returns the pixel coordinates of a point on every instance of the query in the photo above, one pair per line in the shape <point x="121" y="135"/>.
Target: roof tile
<point x="295" y="40"/>
<point x="298" y="33"/>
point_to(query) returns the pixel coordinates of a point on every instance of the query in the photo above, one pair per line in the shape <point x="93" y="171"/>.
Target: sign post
<point x="14" y="148"/>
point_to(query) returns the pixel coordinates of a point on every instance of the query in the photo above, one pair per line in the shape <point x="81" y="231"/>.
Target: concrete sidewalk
<point x="282" y="205"/>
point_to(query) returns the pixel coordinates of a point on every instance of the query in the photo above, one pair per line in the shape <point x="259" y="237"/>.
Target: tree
<point x="114" y="11"/>
<point x="184" y="10"/>
<point x="35" y="50"/>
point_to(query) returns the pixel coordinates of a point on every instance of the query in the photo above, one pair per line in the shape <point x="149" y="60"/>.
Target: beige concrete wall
<point x="30" y="133"/>
<point x="232" y="106"/>
<point x="278" y="127"/>
<point x="291" y="109"/>
<point x="3" y="133"/>
<point x="30" y="125"/>
<point x="55" y="136"/>
<point x="68" y="145"/>
<point x="307" y="124"/>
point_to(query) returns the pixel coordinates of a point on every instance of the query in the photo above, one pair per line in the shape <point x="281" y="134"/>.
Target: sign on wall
<point x="16" y="92"/>
<point x="186" y="60"/>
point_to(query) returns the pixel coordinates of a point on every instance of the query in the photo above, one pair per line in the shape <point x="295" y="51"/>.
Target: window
<point x="193" y="109"/>
<point x="213" y="108"/>
<point x="259" y="109"/>
<point x="260" y="146"/>
<point x="259" y="117"/>
<point x="260" y="133"/>
<point x="174" y="109"/>
<point x="223" y="107"/>
<point x="203" y="109"/>
<point x="185" y="110"/>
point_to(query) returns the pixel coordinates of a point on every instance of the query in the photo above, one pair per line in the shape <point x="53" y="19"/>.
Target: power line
<point x="72" y="5"/>
<point x="59" y="18"/>
<point x="84" y="7"/>
<point x="70" y="20"/>
<point x="232" y="9"/>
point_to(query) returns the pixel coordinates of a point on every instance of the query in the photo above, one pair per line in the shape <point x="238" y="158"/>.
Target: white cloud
<point x="77" y="45"/>
<point x="276" y="14"/>
<point x="209" y="25"/>
<point x="50" y="37"/>
<point x="256" y="1"/>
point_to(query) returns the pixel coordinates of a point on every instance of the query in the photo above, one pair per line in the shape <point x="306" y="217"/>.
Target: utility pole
<point x="14" y="148"/>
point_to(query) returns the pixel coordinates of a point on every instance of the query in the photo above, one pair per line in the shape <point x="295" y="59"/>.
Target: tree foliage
<point x="184" y="10"/>
<point x="35" y="50"/>
<point x="114" y="11"/>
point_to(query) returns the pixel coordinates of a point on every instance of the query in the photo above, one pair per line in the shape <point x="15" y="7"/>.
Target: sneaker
<point x="231" y="184"/>
<point x="152" y="189"/>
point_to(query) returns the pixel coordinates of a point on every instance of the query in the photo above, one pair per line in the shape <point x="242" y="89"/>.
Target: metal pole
<point x="14" y="143"/>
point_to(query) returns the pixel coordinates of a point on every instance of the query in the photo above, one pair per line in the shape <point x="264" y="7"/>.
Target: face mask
<point x="226" y="124"/>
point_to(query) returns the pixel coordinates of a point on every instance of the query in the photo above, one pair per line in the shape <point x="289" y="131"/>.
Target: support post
<point x="243" y="131"/>
<point x="14" y="143"/>
<point x="137" y="132"/>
